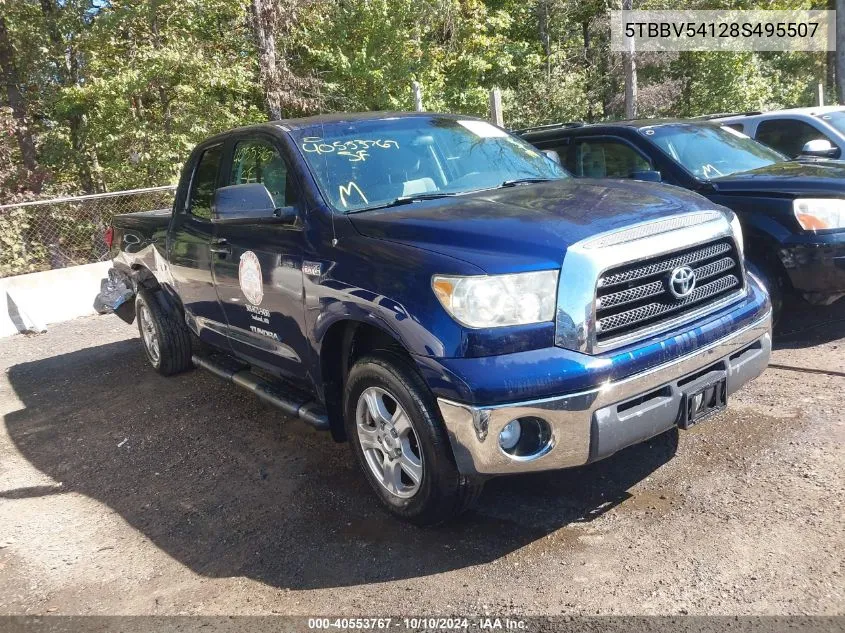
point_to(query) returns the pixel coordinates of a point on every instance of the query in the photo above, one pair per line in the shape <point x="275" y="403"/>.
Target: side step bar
<point x="288" y="401"/>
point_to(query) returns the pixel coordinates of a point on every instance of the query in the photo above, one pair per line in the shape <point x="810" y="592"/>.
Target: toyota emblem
<point x="682" y="282"/>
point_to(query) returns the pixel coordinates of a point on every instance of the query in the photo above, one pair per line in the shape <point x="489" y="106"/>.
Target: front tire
<point x="396" y="434"/>
<point x="166" y="339"/>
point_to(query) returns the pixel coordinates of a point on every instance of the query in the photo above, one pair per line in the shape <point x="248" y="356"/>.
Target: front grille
<point x="636" y="295"/>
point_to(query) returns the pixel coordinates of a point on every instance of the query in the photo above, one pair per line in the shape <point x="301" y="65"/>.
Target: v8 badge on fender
<point x="250" y="279"/>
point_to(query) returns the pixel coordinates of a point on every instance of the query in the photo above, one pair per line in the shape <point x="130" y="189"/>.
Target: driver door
<point x="258" y="267"/>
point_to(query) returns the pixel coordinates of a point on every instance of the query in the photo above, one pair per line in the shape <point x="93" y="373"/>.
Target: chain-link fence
<point x="62" y="232"/>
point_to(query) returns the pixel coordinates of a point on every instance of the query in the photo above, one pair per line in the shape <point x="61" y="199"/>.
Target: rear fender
<point x="141" y="278"/>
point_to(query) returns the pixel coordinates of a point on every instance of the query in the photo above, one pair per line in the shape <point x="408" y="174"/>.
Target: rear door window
<point x="788" y="136"/>
<point x="604" y="158"/>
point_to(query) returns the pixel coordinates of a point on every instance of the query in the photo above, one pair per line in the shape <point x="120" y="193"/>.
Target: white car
<point x="790" y="131"/>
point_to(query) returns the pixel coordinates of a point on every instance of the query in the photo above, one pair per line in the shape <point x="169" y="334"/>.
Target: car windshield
<point x="836" y="119"/>
<point x="711" y="151"/>
<point x="373" y="163"/>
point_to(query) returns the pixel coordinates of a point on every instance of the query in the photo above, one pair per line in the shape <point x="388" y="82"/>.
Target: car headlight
<point x="498" y="300"/>
<point x="818" y="214"/>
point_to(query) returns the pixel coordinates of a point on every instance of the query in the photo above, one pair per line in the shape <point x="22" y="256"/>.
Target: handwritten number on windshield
<point x="355" y="150"/>
<point x="355" y="156"/>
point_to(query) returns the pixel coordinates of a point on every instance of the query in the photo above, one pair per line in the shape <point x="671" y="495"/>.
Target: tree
<point x="840" y="50"/>
<point x="161" y="77"/>
<point x="11" y="82"/>
<point x="630" y="70"/>
<point x="114" y="93"/>
<point x="66" y="23"/>
<point x="274" y="22"/>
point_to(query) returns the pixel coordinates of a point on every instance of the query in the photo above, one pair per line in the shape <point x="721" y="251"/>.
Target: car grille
<point x="637" y="295"/>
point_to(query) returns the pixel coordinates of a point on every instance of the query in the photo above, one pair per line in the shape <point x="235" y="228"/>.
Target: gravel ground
<point x="122" y="492"/>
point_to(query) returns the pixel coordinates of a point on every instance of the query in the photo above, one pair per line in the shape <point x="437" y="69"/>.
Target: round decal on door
<point x="249" y="276"/>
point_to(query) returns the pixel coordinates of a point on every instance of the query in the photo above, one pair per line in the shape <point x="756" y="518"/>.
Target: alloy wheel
<point x="148" y="331"/>
<point x="390" y="445"/>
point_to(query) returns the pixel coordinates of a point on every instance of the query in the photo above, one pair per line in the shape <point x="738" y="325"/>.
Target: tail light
<point x="109" y="236"/>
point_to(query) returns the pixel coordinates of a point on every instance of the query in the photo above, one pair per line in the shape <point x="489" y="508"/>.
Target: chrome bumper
<point x="589" y="425"/>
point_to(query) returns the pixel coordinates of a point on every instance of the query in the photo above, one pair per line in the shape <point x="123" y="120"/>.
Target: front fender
<point x="343" y="302"/>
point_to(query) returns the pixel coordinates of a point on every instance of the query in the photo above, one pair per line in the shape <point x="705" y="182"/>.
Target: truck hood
<point x="795" y="177"/>
<point x="527" y="226"/>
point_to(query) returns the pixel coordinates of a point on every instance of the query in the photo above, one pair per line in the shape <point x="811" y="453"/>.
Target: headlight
<point x="817" y="214"/>
<point x="498" y="300"/>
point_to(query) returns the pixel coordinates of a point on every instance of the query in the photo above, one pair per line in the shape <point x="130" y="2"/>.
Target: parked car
<point x="811" y="132"/>
<point x="792" y="212"/>
<point x="442" y="295"/>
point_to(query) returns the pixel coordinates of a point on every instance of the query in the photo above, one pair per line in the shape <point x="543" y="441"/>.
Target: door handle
<point x="219" y="245"/>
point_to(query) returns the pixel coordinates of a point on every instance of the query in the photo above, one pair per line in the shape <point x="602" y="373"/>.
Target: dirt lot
<point x="122" y="492"/>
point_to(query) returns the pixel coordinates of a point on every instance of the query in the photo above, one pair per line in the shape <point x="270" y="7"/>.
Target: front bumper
<point x="816" y="268"/>
<point x="593" y="424"/>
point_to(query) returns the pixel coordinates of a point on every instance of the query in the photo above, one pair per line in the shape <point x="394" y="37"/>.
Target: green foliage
<point x="715" y="82"/>
<point x="118" y="91"/>
<point x="164" y="76"/>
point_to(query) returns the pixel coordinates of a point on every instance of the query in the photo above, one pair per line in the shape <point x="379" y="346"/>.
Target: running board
<point x="288" y="401"/>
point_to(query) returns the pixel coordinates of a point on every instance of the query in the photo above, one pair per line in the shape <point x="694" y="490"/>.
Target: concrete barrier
<point x="31" y="302"/>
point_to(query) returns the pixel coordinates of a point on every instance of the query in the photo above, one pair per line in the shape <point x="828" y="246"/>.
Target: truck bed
<point x="137" y="235"/>
<point x="143" y="220"/>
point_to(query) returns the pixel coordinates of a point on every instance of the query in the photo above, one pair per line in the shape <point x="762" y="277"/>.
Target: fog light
<point x="509" y="437"/>
<point x="526" y="438"/>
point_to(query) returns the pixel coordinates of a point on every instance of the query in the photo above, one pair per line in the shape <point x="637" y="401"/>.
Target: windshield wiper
<point x="523" y="181"/>
<point x="430" y="195"/>
<point x="414" y="197"/>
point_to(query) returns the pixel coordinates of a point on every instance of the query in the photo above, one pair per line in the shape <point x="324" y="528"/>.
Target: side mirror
<point x="820" y="148"/>
<point x="250" y="203"/>
<point x="647" y="175"/>
<point x="553" y="155"/>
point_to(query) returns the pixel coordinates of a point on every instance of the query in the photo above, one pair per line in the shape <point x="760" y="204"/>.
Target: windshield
<point x="834" y="119"/>
<point x="379" y="162"/>
<point x="710" y="151"/>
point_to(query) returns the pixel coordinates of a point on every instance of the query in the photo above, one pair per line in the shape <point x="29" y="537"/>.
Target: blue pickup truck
<point x="444" y="296"/>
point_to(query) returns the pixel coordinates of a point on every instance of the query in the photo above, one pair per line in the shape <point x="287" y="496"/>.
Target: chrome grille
<point x="663" y="266"/>
<point x="637" y="295"/>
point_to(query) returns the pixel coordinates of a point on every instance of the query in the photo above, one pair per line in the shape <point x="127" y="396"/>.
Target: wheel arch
<point x="343" y="342"/>
<point x="762" y="248"/>
<point x="142" y="278"/>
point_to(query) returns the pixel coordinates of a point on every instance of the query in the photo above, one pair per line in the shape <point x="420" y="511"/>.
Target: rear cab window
<point x="604" y="158"/>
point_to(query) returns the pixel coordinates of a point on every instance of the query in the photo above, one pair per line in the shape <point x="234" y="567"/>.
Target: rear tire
<point x="165" y="337"/>
<point x="398" y="438"/>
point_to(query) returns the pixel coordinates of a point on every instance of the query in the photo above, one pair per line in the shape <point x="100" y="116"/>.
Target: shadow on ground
<point x="229" y="488"/>
<point x="804" y="325"/>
